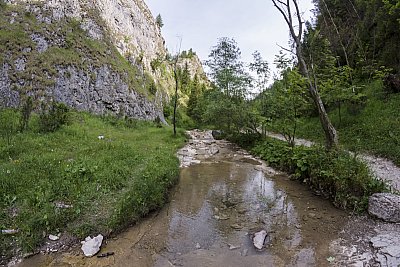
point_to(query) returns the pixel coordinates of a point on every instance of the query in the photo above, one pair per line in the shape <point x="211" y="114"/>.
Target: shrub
<point x="337" y="175"/>
<point x="51" y="119"/>
<point x="8" y="125"/>
<point x="26" y="112"/>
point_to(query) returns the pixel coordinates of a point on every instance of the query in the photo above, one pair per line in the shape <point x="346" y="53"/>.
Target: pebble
<point x="236" y="226"/>
<point x="54" y="237"/>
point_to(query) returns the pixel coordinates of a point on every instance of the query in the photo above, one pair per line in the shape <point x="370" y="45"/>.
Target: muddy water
<point x="215" y="210"/>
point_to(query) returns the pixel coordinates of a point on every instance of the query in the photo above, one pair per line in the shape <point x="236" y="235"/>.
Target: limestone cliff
<point x="99" y="56"/>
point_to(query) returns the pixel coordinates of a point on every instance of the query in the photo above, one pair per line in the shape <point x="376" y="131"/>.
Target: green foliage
<point x="286" y="101"/>
<point x="118" y="179"/>
<point x="8" y="122"/>
<point x="261" y="68"/>
<point x="335" y="174"/>
<point x="375" y="128"/>
<point x="26" y="110"/>
<point x="187" y="54"/>
<point x="369" y="31"/>
<point x="225" y="106"/>
<point x="227" y="70"/>
<point x="52" y="117"/>
<point x="159" y="21"/>
<point x="156" y="63"/>
<point x="152" y="87"/>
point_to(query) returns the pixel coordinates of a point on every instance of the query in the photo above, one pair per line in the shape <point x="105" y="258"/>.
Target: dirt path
<point x="384" y="169"/>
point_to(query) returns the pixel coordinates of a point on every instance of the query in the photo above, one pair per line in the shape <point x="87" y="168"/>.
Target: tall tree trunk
<point x="175" y="97"/>
<point x="176" y="85"/>
<point x="284" y="8"/>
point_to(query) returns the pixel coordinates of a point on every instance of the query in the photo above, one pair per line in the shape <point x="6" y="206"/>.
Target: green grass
<point x="374" y="128"/>
<point x="111" y="183"/>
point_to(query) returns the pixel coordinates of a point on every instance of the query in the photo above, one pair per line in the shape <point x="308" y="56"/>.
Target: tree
<point x="286" y="100"/>
<point x="176" y="77"/>
<point x="226" y="68"/>
<point x="285" y="8"/>
<point x="261" y="68"/>
<point x="228" y="104"/>
<point x="159" y="21"/>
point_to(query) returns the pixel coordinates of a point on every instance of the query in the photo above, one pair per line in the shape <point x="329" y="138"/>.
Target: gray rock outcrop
<point x="387" y="249"/>
<point x="52" y="67"/>
<point x="385" y="206"/>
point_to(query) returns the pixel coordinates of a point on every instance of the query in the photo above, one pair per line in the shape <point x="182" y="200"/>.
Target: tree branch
<point x="287" y="50"/>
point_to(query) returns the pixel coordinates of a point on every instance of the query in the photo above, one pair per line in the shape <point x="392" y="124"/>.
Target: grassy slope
<point x="110" y="183"/>
<point x="374" y="128"/>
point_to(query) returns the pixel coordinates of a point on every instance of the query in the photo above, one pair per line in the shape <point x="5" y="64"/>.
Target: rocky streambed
<point x="224" y="199"/>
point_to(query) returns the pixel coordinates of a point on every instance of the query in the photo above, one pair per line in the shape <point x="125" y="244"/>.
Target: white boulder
<point x="91" y="246"/>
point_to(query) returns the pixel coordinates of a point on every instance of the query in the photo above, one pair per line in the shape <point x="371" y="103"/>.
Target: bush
<point x="50" y="120"/>
<point x="245" y="140"/>
<point x="335" y="174"/>
<point x="26" y="111"/>
<point x="8" y="125"/>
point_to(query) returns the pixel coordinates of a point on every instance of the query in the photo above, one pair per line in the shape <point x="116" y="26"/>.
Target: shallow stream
<point x="213" y="214"/>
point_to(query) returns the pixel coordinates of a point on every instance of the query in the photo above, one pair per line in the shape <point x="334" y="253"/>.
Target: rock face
<point x="385" y="206"/>
<point x="107" y="93"/>
<point x="95" y="56"/>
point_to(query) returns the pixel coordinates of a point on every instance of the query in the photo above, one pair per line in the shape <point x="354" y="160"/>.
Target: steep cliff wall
<point x="92" y="55"/>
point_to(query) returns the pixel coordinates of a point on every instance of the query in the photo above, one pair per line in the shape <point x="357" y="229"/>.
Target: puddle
<point x="215" y="210"/>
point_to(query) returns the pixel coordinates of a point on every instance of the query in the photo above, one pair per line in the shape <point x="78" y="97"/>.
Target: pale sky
<point x="254" y="24"/>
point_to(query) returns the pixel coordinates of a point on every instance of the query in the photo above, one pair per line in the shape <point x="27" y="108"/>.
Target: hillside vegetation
<point x="373" y="128"/>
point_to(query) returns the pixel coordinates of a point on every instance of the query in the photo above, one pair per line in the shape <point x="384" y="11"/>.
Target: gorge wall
<point x="97" y="56"/>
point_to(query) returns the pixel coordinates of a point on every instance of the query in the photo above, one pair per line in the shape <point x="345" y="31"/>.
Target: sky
<point x="254" y="24"/>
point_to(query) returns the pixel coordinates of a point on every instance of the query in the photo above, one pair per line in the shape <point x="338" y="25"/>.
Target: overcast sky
<point x="254" y="24"/>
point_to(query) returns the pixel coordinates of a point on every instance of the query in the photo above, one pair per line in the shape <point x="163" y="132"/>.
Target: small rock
<point x="105" y="255"/>
<point x="54" y="237"/>
<point x="259" y="239"/>
<point x="91" y="246"/>
<point x="244" y="252"/>
<point x="311" y="215"/>
<point x="242" y="211"/>
<point x="62" y="205"/>
<point x="385" y="206"/>
<point x="330" y="259"/>
<point x="236" y="226"/>
<point x="10" y="231"/>
<point x="223" y="217"/>
<point x="232" y="247"/>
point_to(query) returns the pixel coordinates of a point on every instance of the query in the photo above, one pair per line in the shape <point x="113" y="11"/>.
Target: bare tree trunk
<point x="284" y="8"/>
<point x="338" y="34"/>
<point x="176" y="86"/>
<point x="175" y="98"/>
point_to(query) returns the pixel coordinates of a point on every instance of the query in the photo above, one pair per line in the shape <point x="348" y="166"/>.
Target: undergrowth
<point x="374" y="128"/>
<point x="337" y="175"/>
